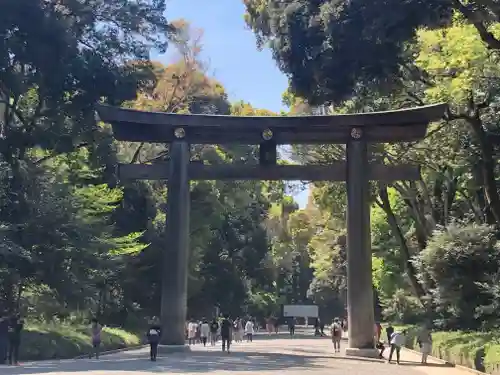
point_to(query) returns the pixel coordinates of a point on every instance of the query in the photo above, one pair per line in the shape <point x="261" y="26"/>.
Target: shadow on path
<point x="193" y="362"/>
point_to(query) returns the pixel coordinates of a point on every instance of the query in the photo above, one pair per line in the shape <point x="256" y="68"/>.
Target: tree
<point x="456" y="266"/>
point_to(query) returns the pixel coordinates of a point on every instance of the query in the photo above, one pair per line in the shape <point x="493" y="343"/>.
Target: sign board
<point x="302" y="311"/>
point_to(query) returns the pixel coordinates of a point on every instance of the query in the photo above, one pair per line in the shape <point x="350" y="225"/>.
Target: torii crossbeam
<point x="356" y="131"/>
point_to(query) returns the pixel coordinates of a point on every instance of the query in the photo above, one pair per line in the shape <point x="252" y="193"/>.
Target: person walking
<point x="154" y="337"/>
<point x="276" y="325"/>
<point x="225" y="333"/>
<point x="192" y="329"/>
<point x="336" y="332"/>
<point x="389" y="330"/>
<point x="269" y="325"/>
<point x="15" y="328"/>
<point x="204" y="332"/>
<point x="424" y="341"/>
<point x="95" y="333"/>
<point x="291" y="326"/>
<point x="238" y="330"/>
<point x="214" y="329"/>
<point x="317" y="324"/>
<point x="397" y="342"/>
<point x="249" y="330"/>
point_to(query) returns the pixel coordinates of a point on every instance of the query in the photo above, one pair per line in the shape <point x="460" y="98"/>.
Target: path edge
<point x="444" y="362"/>
<point x="114" y="351"/>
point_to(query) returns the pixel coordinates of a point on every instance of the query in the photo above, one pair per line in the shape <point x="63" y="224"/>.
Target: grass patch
<point x="59" y="341"/>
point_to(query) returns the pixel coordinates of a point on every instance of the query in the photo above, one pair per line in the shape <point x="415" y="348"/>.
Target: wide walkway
<point x="277" y="355"/>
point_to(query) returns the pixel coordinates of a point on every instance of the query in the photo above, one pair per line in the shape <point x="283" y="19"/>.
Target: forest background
<point x="76" y="242"/>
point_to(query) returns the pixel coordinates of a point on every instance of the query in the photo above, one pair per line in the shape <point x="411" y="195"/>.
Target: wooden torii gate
<point x="356" y="131"/>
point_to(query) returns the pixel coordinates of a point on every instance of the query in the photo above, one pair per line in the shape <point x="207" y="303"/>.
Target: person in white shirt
<point x="249" y="330"/>
<point x="397" y="342"/>
<point x="204" y="332"/>
<point x="192" y="328"/>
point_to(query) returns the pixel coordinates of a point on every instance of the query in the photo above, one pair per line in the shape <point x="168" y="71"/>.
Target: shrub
<point x="459" y="266"/>
<point x="476" y="350"/>
<point x="59" y="341"/>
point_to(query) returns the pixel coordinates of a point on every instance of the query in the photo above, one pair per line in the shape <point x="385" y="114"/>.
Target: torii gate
<point x="354" y="130"/>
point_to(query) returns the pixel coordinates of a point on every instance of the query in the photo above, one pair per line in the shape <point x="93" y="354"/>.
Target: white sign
<point x="303" y="311"/>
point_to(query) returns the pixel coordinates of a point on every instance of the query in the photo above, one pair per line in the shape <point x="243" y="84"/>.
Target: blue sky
<point x="247" y="73"/>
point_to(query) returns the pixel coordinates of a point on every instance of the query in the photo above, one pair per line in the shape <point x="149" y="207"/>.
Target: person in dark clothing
<point x="389" y="331"/>
<point x="4" y="339"/>
<point x="154" y="336"/>
<point x="225" y="333"/>
<point x="15" y="329"/>
<point x="316" y="327"/>
<point x="291" y="326"/>
<point x="214" y="328"/>
<point x="276" y="325"/>
<point x="381" y="347"/>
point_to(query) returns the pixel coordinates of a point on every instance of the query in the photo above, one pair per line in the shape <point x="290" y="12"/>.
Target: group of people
<point x="10" y="338"/>
<point x="223" y="329"/>
<point x="397" y="339"/>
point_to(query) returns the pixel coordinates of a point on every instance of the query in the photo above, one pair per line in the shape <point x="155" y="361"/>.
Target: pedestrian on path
<point x="238" y="330"/>
<point x="291" y="326"/>
<point x="225" y="333"/>
<point x="336" y="332"/>
<point x="154" y="337"/>
<point x="397" y="342"/>
<point x="95" y="333"/>
<point x="15" y="328"/>
<point x="192" y="328"/>
<point x="204" y="332"/>
<point x="389" y="330"/>
<point x="424" y="341"/>
<point x="249" y="330"/>
<point x="269" y="325"/>
<point x="214" y="329"/>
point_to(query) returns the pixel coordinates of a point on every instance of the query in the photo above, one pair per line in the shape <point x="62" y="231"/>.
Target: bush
<point x="459" y="267"/>
<point x="476" y="350"/>
<point x="59" y="341"/>
<point x="402" y="308"/>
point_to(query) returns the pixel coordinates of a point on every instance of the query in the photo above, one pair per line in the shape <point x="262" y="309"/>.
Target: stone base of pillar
<point x="167" y="349"/>
<point x="366" y="353"/>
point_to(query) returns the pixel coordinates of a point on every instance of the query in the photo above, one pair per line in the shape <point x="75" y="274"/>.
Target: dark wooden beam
<point x="282" y="136"/>
<point x="333" y="172"/>
<point x="393" y="126"/>
<point x="402" y="117"/>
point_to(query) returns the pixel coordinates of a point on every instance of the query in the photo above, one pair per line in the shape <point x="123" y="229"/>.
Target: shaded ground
<point x="266" y="355"/>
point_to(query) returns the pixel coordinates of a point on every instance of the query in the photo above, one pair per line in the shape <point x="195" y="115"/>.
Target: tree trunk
<point x="404" y="250"/>
<point x="487" y="167"/>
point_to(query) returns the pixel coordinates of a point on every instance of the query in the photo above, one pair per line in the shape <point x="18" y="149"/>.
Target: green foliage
<point x="476" y="350"/>
<point x="453" y="266"/>
<point x="61" y="341"/>
<point x="402" y="308"/>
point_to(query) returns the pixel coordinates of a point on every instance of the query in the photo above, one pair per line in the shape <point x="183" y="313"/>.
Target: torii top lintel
<point x="403" y="125"/>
